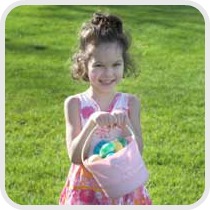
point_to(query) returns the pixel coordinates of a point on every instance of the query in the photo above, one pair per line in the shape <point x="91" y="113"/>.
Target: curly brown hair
<point x="102" y="28"/>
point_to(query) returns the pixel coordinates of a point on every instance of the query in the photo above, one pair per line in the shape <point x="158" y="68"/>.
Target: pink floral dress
<point x="80" y="187"/>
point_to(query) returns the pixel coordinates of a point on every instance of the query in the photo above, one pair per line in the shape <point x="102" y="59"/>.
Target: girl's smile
<point x="107" y="82"/>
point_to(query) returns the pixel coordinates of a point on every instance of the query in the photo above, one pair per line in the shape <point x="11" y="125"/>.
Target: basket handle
<point x="90" y="135"/>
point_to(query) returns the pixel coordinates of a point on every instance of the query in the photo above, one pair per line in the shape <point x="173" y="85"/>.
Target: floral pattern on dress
<point x="87" y="111"/>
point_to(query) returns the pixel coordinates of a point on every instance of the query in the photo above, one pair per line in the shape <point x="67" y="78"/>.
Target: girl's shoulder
<point x="74" y="100"/>
<point x="132" y="99"/>
<point x="71" y="101"/>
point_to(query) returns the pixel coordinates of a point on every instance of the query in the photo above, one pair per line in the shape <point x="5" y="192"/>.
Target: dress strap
<point x="122" y="102"/>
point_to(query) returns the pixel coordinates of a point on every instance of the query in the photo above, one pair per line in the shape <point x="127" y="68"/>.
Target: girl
<point x="102" y="61"/>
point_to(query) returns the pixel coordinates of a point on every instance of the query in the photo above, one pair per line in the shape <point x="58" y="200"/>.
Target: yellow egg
<point x="94" y="158"/>
<point x="117" y="145"/>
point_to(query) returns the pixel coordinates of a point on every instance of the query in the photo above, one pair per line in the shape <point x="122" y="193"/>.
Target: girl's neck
<point x="96" y="95"/>
<point x="102" y="99"/>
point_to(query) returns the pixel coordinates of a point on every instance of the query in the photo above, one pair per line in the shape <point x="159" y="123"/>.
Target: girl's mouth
<point x="107" y="82"/>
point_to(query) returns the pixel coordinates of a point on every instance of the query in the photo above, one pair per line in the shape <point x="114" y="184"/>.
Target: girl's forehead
<point x="104" y="49"/>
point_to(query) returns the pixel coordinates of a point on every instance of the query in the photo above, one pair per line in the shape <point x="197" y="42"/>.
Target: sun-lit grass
<point x="168" y="47"/>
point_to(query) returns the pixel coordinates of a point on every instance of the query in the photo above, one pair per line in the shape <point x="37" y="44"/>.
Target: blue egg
<point x="98" y="146"/>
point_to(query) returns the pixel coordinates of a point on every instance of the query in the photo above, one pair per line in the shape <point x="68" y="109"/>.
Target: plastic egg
<point x="98" y="146"/>
<point x="123" y="141"/>
<point x="110" y="154"/>
<point x="106" y="149"/>
<point x="117" y="145"/>
<point x="94" y="158"/>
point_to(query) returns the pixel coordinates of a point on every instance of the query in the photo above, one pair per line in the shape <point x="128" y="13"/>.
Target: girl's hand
<point x="103" y="119"/>
<point x="121" y="118"/>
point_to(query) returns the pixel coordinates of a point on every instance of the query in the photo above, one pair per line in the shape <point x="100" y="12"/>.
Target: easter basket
<point x="120" y="173"/>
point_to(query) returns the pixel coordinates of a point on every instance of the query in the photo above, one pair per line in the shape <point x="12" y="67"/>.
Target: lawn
<point x="169" y="51"/>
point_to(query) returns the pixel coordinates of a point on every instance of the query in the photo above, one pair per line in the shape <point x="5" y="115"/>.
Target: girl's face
<point x="105" y="66"/>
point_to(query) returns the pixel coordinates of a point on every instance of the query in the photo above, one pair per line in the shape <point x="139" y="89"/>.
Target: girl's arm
<point x="75" y="135"/>
<point x="134" y="116"/>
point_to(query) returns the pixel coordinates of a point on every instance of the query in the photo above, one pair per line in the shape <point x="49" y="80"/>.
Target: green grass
<point x="168" y="46"/>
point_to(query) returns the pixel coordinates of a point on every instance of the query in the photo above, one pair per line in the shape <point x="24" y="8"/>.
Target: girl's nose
<point x="109" y="71"/>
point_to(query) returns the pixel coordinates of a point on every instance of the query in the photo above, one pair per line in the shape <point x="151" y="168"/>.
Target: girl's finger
<point x="111" y="120"/>
<point x="114" y="120"/>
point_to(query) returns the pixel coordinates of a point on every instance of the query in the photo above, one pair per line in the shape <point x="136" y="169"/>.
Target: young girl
<point x="102" y="61"/>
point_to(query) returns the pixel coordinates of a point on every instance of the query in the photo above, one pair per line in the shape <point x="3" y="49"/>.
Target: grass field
<point x="168" y="47"/>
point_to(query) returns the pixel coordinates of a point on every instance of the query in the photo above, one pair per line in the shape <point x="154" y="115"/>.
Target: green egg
<point x="106" y="149"/>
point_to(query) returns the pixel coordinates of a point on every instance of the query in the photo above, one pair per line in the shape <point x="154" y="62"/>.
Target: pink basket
<point x="120" y="173"/>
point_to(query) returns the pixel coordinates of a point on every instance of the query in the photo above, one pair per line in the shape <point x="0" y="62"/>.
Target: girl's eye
<point x="117" y="64"/>
<point x="98" y="65"/>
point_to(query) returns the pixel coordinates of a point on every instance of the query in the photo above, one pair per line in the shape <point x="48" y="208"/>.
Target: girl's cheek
<point x="92" y="76"/>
